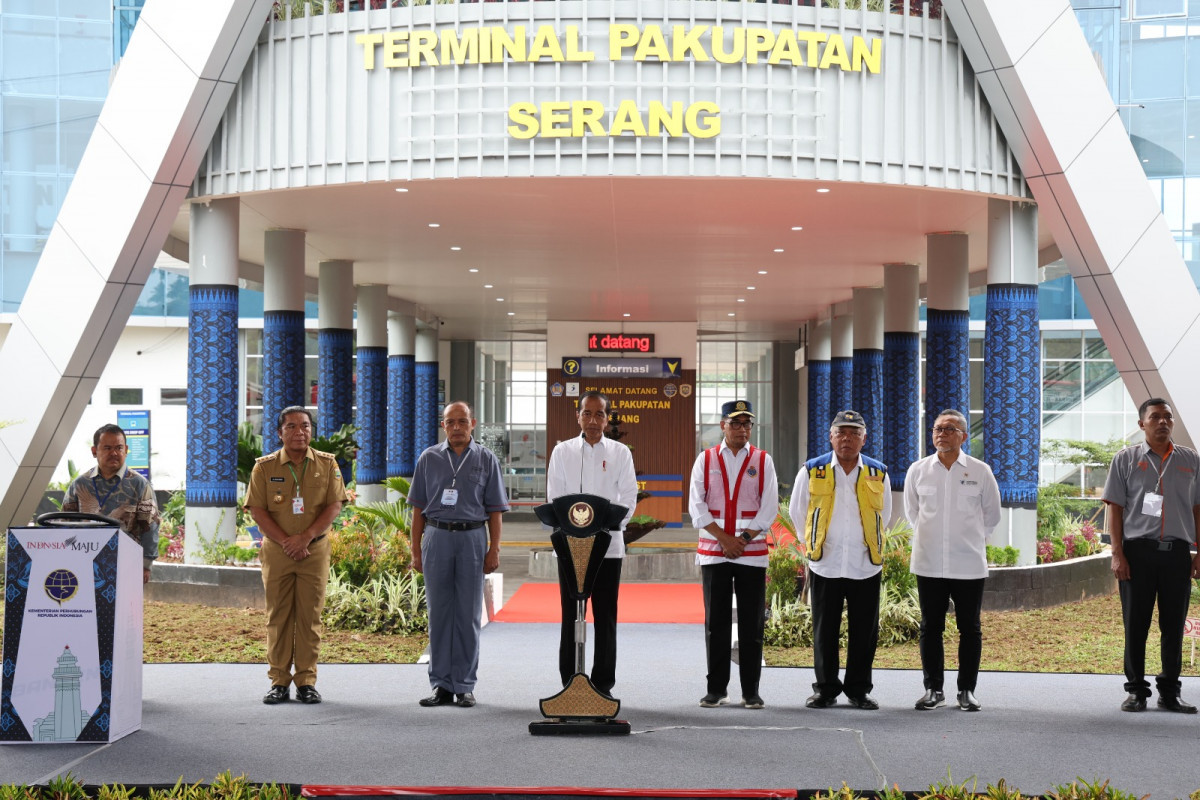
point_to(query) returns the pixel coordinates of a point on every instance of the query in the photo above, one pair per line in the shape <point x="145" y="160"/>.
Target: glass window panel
<point x="85" y="58"/>
<point x="90" y="9"/>
<point x="1100" y="28"/>
<point x="177" y="294"/>
<point x="1156" y="51"/>
<point x="254" y="394"/>
<point x="27" y="60"/>
<point x="78" y="119"/>
<point x="311" y="379"/>
<point x="975" y="345"/>
<point x="30" y="204"/>
<point x="1055" y="298"/>
<point x="1081" y="309"/>
<point x="1062" y="426"/>
<point x="1110" y="397"/>
<point x="1093" y="480"/>
<point x="1156" y="133"/>
<point x="1105" y="427"/>
<point x="1158" y="8"/>
<point x="1094" y="347"/>
<point x="312" y="343"/>
<point x="28" y="134"/>
<point x="151" y="301"/>
<point x="1061" y="344"/>
<point x="1172" y="204"/>
<point x="1060" y="385"/>
<point x="976" y="393"/>
<point x="20" y="259"/>
<point x="254" y="342"/>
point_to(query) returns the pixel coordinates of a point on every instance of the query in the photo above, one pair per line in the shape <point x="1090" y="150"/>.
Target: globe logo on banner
<point x="61" y="585"/>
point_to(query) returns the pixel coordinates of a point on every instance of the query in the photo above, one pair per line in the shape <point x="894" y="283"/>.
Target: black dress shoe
<point x="440" y="697"/>
<point x="308" y="694"/>
<point x="818" y="700"/>
<point x="464" y="700"/>
<point x="277" y="694"/>
<point x="1174" y="704"/>
<point x="1134" y="702"/>
<point x="967" y="701"/>
<point x="933" y="698"/>
<point x="712" y="700"/>
<point x="863" y="701"/>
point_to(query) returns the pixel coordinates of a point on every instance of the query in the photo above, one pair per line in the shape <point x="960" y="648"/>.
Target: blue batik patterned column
<point x="867" y="379"/>
<point x="947" y="337"/>
<point x="335" y="350"/>
<point x="819" y="412"/>
<point x="402" y="342"/>
<point x="212" y="455"/>
<point x="212" y="396"/>
<point x="901" y="370"/>
<point x="283" y="327"/>
<point x="425" y="427"/>
<point x="841" y="366"/>
<point x="372" y="391"/>
<point x="1011" y="402"/>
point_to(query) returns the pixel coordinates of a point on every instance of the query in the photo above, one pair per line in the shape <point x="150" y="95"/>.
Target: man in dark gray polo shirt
<point x="1153" y="498"/>
<point x="458" y="493"/>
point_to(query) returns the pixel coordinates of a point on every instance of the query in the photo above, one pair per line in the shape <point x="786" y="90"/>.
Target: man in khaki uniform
<point x="295" y="494"/>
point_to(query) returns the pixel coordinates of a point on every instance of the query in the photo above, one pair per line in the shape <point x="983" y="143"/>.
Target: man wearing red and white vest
<point x="842" y="502"/>
<point x="733" y="502"/>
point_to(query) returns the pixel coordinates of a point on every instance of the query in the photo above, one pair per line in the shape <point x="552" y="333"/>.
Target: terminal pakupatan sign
<point x="409" y="49"/>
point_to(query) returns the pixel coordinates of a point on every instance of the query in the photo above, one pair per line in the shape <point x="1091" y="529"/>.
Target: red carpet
<point x="640" y="602"/>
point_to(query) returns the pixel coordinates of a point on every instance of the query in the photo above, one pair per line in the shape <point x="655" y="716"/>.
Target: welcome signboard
<point x="72" y="659"/>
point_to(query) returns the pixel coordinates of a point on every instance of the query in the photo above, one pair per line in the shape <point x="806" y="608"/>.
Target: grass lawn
<point x="1083" y="637"/>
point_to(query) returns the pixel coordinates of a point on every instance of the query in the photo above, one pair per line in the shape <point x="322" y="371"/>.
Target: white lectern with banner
<point x="72" y="658"/>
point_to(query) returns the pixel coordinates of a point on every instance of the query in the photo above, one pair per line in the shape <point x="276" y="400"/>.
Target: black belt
<point x="453" y="526"/>
<point x="317" y="539"/>
<point x="1161" y="544"/>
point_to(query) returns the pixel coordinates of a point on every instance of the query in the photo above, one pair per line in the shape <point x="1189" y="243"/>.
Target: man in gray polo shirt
<point x="458" y="493"/>
<point x="1153" y="498"/>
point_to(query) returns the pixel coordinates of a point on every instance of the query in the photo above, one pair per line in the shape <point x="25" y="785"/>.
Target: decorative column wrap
<point x="283" y="365"/>
<point x="401" y="392"/>
<point x="425" y="405"/>
<point x="947" y="368"/>
<point x="867" y="396"/>
<point x="212" y="396"/>
<point x="819" y="413"/>
<point x="1011" y="418"/>
<point x="841" y="389"/>
<point x="901" y="403"/>
<point x="335" y="383"/>
<point x="372" y="415"/>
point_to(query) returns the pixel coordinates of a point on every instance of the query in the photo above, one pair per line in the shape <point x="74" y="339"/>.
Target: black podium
<point x="581" y="524"/>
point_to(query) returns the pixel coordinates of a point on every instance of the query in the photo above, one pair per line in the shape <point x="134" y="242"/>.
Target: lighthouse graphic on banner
<point x="68" y="718"/>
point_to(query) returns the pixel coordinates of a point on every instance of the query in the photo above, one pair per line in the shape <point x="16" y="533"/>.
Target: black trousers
<point x="935" y="595"/>
<point x="1164" y="576"/>
<point x="721" y="583"/>
<point x="604" y="616"/>
<point x="861" y="600"/>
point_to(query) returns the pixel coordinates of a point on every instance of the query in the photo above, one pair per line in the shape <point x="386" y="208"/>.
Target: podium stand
<point x="72" y="658"/>
<point x="581" y="536"/>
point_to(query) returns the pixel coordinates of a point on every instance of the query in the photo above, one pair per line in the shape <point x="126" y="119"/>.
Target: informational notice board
<point x="72" y="658"/>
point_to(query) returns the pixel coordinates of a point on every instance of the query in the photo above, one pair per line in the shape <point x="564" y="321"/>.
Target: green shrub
<point x="1002" y="556"/>
<point x="390" y="603"/>
<point x="783" y="572"/>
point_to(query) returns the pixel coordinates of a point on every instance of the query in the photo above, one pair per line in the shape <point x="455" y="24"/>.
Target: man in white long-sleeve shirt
<point x="733" y="501"/>
<point x="592" y="464"/>
<point x="953" y="504"/>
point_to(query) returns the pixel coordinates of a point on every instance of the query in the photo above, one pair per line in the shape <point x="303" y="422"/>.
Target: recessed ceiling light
<point x="624" y="315"/>
<point x="487" y="286"/>
<point x="456" y="248"/>
<point x="732" y="314"/>
<point x="762" y="272"/>
<point x="741" y="299"/>
<point x="401" y="189"/>
<point x="778" y="249"/>
<point x="797" y="227"/>
<point x="822" y="191"/>
<point x="512" y="313"/>
<point x="750" y="288"/>
<point x="434" y="225"/>
<point x="499" y="299"/>
<point x="473" y="269"/>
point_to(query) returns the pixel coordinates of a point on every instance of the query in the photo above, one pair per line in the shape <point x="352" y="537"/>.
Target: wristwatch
<point x="747" y="536"/>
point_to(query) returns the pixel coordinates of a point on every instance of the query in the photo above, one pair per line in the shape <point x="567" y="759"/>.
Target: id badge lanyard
<point x="450" y="496"/>
<point x="298" y="499"/>
<point x="1152" y="502"/>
